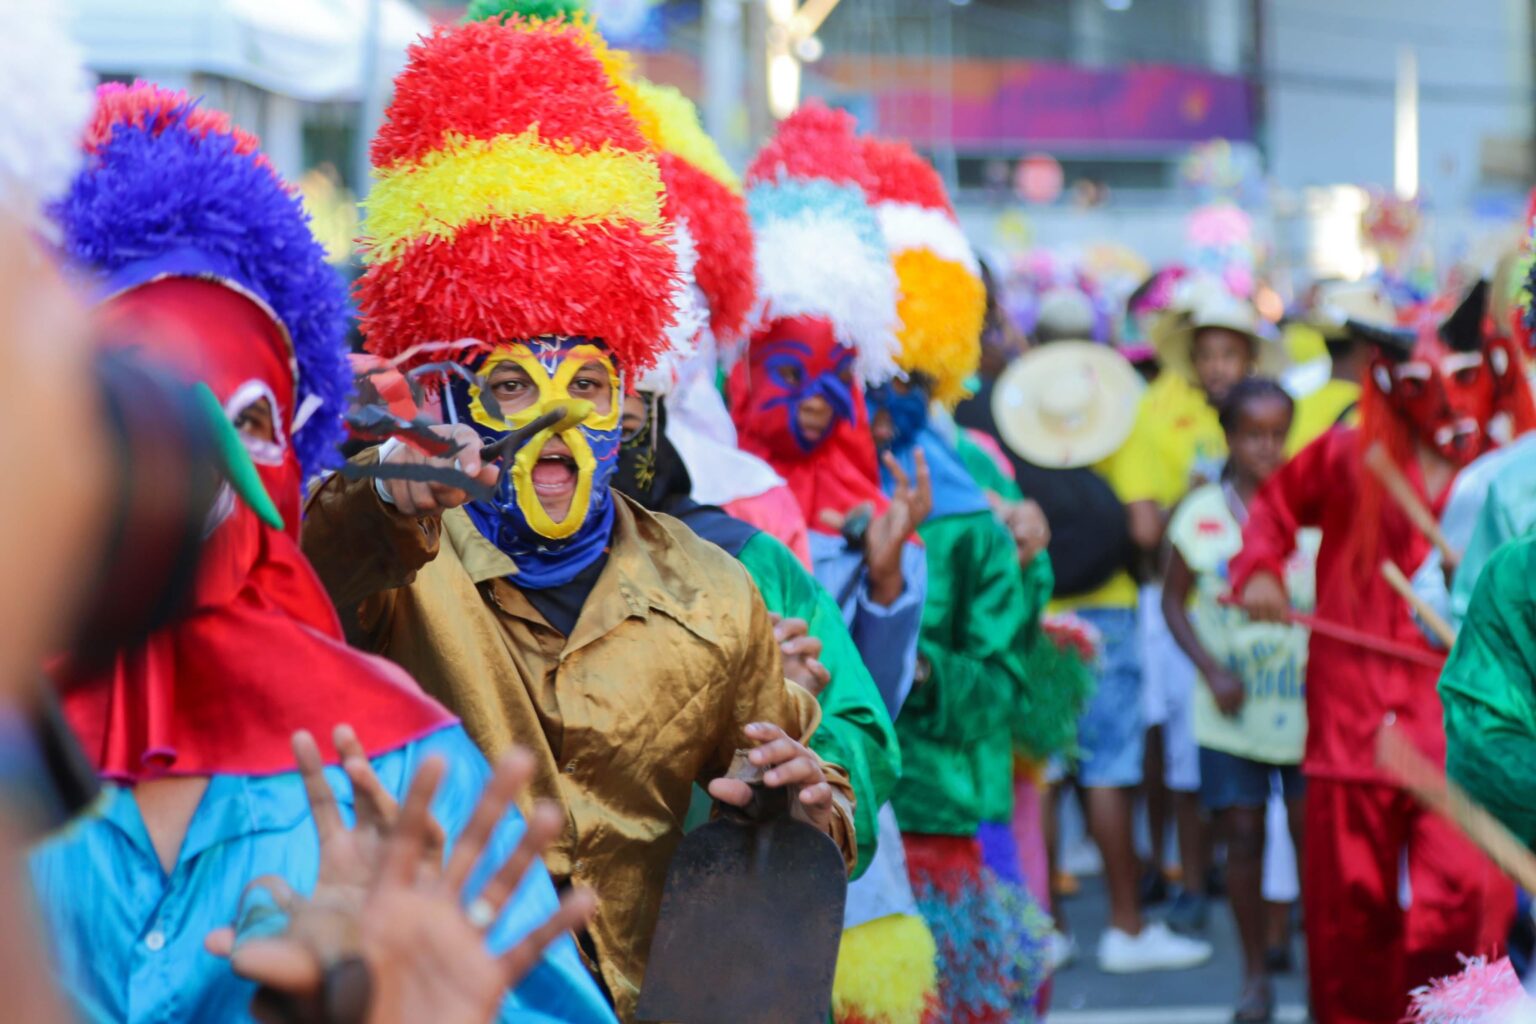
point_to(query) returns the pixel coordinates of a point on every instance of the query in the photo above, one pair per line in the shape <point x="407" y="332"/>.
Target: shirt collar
<point x="233" y="807"/>
<point x="642" y="575"/>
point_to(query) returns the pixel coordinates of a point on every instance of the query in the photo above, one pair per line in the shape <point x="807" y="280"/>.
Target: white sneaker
<point x="1060" y="951"/>
<point x="1155" y="949"/>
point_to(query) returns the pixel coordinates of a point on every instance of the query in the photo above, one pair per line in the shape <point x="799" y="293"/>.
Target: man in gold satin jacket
<point x="634" y="658"/>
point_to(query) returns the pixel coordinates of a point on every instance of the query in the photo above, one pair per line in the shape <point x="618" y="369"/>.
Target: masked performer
<point x="1492" y="499"/>
<point x="518" y="205"/>
<point x="942" y="310"/>
<point x="203" y="257"/>
<point x="1427" y="403"/>
<point x="828" y="304"/>
<point x="971" y="642"/>
<point x="724" y="278"/>
<point x="856" y="728"/>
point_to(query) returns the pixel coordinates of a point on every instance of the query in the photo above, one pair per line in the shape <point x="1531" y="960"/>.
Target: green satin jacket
<point x="856" y="731"/>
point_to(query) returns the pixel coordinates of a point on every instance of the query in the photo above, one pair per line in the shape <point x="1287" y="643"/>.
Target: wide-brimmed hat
<point x="1202" y="308"/>
<point x="1341" y="304"/>
<point x="1066" y="404"/>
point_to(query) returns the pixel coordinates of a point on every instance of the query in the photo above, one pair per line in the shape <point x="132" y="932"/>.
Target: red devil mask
<point x="795" y="360"/>
<point x="1448" y="383"/>
<point x="260" y="652"/>
<point x="791" y="361"/>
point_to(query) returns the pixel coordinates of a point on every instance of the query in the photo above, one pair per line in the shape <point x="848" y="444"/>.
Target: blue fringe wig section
<point x="1028" y="927"/>
<point x="959" y="899"/>
<point x="145" y="197"/>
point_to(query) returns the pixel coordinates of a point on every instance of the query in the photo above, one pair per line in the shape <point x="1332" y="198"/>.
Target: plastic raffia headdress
<point x="516" y="198"/>
<point x="169" y="187"/>
<point x="943" y="301"/>
<point x="820" y="251"/>
<point x="703" y="194"/>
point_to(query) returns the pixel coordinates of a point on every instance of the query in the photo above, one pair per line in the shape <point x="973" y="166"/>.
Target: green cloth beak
<point x="234" y="461"/>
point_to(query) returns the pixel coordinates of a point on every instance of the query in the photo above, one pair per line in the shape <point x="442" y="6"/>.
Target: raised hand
<point x="390" y="918"/>
<point x="1027" y="523"/>
<point x="418" y="497"/>
<point x="911" y="501"/>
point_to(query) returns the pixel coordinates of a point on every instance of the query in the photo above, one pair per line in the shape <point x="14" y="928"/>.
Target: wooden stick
<point x="1398" y="758"/>
<point x="1380" y="463"/>
<point x="1359" y="638"/>
<point x="1431" y="618"/>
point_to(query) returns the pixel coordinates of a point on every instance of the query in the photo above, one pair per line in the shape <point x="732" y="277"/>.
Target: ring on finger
<point x="481" y="913"/>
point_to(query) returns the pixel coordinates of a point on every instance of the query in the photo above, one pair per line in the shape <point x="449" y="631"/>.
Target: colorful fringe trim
<point x="1060" y="667"/>
<point x="1030" y="928"/>
<point x="971" y="925"/>
<point x="887" y="973"/>
<point x="1027" y="926"/>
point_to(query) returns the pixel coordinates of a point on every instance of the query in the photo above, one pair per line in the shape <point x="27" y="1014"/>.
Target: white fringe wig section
<point x="691" y="312"/>
<point x="45" y="98"/>
<point x="814" y="263"/>
<point x="909" y="226"/>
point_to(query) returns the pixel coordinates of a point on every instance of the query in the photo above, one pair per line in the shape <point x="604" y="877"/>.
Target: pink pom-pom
<point x="1483" y="993"/>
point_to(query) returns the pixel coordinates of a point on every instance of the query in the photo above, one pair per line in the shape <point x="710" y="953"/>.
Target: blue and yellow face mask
<point x="542" y="372"/>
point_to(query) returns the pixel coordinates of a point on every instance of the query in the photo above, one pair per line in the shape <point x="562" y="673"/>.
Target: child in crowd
<point x="1250" y="718"/>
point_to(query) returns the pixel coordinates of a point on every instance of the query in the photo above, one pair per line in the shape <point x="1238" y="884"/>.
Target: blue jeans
<point x="1111" y="734"/>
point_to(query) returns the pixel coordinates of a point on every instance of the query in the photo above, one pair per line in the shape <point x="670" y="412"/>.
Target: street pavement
<point x="1083" y="994"/>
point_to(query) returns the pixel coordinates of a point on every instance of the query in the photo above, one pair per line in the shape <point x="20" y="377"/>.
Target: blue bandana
<point x="544" y="560"/>
<point x="955" y="493"/>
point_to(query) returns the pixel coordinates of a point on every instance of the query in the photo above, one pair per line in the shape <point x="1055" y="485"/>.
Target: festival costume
<point x="829" y="301"/>
<point x="1041" y="725"/>
<point x="518" y="205"/>
<point x="704" y="201"/>
<point x="704" y="197"/>
<point x="203" y="258"/>
<point x="955" y="799"/>
<point x="1489" y="499"/>
<point x="1108" y="739"/>
<point x="1490" y="503"/>
<point x="1365" y="952"/>
<point x="855" y="730"/>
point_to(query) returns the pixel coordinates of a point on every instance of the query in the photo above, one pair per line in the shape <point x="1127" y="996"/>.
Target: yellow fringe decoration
<point x="942" y="308"/>
<point x="671" y="122"/>
<point x="620" y="67"/>
<point x="887" y="971"/>
<point x="509" y="177"/>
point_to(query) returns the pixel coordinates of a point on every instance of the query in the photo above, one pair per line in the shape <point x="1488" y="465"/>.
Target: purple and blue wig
<point x="169" y="189"/>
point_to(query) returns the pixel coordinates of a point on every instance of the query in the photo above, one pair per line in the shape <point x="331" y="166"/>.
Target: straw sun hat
<point x="1066" y="404"/>
<point x="1200" y="308"/>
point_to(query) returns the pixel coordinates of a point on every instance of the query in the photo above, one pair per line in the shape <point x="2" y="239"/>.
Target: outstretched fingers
<point x="577" y="908"/>
<point x="543" y="826"/>
<point x="322" y="800"/>
<point x="921" y="500"/>
<point x="374" y="805"/>
<point x="513" y="772"/>
<point x="408" y="842"/>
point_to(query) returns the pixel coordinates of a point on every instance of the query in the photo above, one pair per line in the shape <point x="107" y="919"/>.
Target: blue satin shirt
<point x="128" y="939"/>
